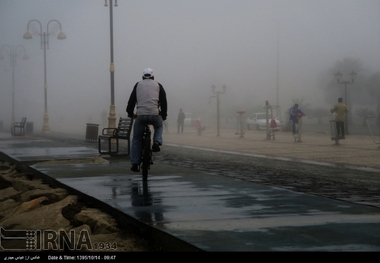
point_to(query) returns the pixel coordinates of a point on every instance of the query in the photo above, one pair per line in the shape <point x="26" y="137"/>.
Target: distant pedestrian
<point x="295" y="112"/>
<point x="341" y="110"/>
<point x="199" y="127"/>
<point x="180" y="121"/>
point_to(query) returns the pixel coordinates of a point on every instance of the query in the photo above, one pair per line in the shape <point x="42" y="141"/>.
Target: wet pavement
<point x="207" y="210"/>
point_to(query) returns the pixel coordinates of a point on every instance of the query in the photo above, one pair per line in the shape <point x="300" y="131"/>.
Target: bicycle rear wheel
<point x="146" y="158"/>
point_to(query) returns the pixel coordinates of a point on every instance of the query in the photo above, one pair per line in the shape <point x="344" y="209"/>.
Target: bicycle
<point x="146" y="153"/>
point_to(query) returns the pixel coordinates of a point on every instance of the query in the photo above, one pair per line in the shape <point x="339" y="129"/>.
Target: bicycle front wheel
<point x="146" y="158"/>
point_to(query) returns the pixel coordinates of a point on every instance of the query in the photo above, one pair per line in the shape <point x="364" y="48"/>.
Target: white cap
<point x="148" y="72"/>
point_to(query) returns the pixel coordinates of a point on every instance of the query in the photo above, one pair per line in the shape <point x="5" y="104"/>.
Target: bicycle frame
<point x="146" y="153"/>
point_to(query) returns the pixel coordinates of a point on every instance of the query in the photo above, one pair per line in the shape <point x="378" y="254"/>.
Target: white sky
<point x="190" y="44"/>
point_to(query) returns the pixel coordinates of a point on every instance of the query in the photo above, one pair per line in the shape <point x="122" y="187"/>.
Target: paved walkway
<point x="356" y="150"/>
<point x="215" y="213"/>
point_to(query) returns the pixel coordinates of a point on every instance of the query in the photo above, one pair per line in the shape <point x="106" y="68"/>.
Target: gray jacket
<point x="149" y="97"/>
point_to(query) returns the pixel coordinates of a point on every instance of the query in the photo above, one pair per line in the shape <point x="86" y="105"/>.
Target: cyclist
<point x="149" y="98"/>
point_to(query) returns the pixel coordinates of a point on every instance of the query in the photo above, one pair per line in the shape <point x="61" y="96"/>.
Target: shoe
<point x="135" y="168"/>
<point x="156" y="147"/>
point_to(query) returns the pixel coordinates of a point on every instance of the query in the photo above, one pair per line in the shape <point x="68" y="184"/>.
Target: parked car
<point x="258" y="121"/>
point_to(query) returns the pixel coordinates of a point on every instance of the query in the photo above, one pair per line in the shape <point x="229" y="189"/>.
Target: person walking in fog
<point x="294" y="113"/>
<point x="149" y="98"/>
<point x="341" y="110"/>
<point x="180" y="121"/>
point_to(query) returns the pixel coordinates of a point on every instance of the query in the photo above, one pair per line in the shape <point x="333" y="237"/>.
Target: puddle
<point x="92" y="160"/>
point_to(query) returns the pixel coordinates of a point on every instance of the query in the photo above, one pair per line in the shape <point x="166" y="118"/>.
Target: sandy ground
<point x="27" y="202"/>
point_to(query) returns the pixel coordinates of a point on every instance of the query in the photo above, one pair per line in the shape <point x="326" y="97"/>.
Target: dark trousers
<point x="339" y="128"/>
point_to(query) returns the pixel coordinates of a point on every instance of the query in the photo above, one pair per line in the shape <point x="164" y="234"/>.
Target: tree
<point x="373" y="85"/>
<point x="318" y="113"/>
<point x="363" y="113"/>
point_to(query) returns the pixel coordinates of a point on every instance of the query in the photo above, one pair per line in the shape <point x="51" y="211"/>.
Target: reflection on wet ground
<point x="210" y="211"/>
<point x="222" y="214"/>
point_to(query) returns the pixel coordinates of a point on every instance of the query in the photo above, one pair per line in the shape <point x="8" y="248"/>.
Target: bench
<point x="110" y="137"/>
<point x="18" y="128"/>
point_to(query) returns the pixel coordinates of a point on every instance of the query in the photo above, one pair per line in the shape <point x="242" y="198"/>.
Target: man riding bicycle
<point x="149" y="97"/>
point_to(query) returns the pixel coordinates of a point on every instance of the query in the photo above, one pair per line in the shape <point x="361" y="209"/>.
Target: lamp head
<point x="338" y="76"/>
<point x="27" y="35"/>
<point x="353" y="76"/>
<point x="106" y="3"/>
<point x="61" y="35"/>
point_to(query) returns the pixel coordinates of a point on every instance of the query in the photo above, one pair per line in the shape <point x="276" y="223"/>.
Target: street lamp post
<point x="44" y="38"/>
<point x="278" y="72"/>
<point x="13" y="53"/>
<point x="112" y="114"/>
<point x="217" y="105"/>
<point x="338" y="76"/>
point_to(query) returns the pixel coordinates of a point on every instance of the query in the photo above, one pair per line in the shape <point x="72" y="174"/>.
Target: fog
<point x="246" y="45"/>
